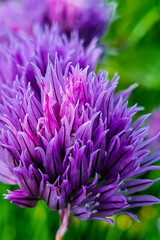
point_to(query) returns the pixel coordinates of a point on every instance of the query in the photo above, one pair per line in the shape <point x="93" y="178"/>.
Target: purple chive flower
<point x="154" y="128"/>
<point x="18" y="53"/>
<point x="22" y="15"/>
<point x="89" y="18"/>
<point x="75" y="147"/>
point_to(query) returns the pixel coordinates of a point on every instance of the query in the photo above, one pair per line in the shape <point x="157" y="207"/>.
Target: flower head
<point x="89" y="18"/>
<point x="75" y="147"/>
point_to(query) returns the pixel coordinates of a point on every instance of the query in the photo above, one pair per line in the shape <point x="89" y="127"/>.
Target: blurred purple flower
<point x="89" y="18"/>
<point x="22" y="15"/>
<point x="154" y="128"/>
<point x="75" y="147"/>
<point x="19" y="52"/>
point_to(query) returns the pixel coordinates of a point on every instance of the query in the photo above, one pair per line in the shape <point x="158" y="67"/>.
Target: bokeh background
<point x="133" y="48"/>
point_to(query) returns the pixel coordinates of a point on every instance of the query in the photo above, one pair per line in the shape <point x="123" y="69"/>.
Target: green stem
<point x="64" y="216"/>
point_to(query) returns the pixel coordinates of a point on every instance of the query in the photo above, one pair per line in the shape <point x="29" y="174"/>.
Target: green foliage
<point x="133" y="41"/>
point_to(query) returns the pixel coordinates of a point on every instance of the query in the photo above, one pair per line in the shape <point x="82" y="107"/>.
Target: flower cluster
<point x="66" y="137"/>
<point x="89" y="18"/>
<point x="75" y="147"/>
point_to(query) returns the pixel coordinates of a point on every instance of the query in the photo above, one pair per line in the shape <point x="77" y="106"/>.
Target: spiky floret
<point x="75" y="147"/>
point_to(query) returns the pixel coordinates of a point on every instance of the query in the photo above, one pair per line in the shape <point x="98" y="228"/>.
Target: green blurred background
<point x="133" y="44"/>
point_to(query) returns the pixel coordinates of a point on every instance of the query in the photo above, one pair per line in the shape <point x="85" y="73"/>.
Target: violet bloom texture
<point x="154" y="128"/>
<point x="74" y="145"/>
<point x="18" y="54"/>
<point x="90" y="18"/>
<point x="21" y="15"/>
